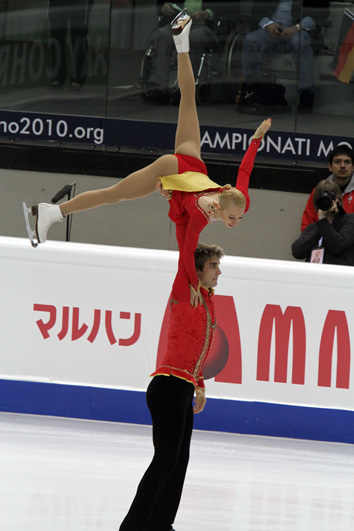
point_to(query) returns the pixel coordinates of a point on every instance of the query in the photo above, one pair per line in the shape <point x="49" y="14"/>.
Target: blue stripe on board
<point x="116" y="405"/>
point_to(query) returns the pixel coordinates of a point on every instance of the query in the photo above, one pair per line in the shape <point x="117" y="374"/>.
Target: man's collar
<point x="209" y="291"/>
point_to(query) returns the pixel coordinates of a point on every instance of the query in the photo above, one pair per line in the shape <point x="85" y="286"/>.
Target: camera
<point x="325" y="201"/>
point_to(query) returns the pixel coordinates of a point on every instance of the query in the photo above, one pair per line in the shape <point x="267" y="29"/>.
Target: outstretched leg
<point x="135" y="185"/>
<point x="187" y="141"/>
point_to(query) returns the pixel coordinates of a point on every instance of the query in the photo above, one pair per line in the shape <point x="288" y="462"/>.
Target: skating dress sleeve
<point x="245" y="169"/>
<point x="190" y="221"/>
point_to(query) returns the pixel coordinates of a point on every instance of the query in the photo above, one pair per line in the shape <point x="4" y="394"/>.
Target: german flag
<point x="343" y="62"/>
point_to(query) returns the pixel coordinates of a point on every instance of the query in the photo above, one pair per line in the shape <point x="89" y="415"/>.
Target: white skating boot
<point x="181" y="26"/>
<point x="46" y="215"/>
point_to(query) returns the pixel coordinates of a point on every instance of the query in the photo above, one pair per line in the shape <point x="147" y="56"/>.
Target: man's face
<point x="342" y="168"/>
<point x="211" y="271"/>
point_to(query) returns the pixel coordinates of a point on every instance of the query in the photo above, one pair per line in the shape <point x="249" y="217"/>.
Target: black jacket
<point x="338" y="240"/>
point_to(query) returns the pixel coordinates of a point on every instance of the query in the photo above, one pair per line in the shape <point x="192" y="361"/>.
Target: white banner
<point x="92" y="315"/>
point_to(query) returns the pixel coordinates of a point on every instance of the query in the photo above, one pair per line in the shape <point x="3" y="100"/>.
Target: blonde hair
<point x="231" y="196"/>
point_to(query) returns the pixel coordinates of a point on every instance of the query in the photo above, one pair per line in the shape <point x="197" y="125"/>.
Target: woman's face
<point x="231" y="215"/>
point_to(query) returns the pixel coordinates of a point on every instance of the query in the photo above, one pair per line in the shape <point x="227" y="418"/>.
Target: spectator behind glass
<point x="330" y="240"/>
<point x="341" y="164"/>
<point x="200" y="36"/>
<point x="68" y="16"/>
<point x="285" y="26"/>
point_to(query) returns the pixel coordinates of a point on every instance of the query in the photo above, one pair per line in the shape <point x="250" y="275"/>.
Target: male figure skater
<point x="170" y="394"/>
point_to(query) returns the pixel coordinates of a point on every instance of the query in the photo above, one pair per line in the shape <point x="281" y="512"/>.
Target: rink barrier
<point x="253" y="418"/>
<point x="82" y="326"/>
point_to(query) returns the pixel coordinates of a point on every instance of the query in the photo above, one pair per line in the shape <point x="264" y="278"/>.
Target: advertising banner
<point x="86" y="316"/>
<point x="109" y="132"/>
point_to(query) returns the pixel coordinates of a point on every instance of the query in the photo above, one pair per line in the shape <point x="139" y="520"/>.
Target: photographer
<point x="341" y="166"/>
<point x="330" y="240"/>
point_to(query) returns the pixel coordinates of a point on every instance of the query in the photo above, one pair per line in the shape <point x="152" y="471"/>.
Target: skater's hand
<point x="263" y="128"/>
<point x="165" y="193"/>
<point x="274" y="29"/>
<point x="330" y="213"/>
<point x="199" y="400"/>
<point x="196" y="297"/>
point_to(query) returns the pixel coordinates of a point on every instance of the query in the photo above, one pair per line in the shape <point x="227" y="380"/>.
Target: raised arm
<point x="187" y="233"/>
<point x="187" y="237"/>
<point x="246" y="167"/>
<point x="186" y="277"/>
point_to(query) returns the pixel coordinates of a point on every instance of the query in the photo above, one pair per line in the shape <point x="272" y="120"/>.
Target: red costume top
<point x="190" y="218"/>
<point x="191" y="330"/>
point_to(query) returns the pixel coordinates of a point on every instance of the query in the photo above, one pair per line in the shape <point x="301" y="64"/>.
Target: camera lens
<point x="325" y="201"/>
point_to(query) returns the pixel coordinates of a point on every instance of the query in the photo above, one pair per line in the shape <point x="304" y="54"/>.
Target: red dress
<point x="190" y="219"/>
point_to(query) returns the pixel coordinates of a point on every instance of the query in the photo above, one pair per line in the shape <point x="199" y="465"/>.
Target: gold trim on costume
<point x="203" y="355"/>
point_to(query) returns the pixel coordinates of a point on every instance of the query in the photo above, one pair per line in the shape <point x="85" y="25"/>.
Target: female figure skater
<point x="195" y="200"/>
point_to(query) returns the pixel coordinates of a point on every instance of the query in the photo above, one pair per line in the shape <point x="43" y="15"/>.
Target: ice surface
<point x="74" y="475"/>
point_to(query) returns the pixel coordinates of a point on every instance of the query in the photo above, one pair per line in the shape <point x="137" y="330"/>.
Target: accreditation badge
<point x="317" y="256"/>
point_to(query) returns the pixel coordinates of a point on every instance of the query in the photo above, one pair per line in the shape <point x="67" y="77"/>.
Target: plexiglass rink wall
<point x="115" y="60"/>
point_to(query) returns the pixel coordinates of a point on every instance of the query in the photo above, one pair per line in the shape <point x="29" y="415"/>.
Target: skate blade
<point x="31" y="233"/>
<point x="176" y="30"/>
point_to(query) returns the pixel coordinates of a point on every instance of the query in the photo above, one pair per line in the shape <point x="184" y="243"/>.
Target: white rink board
<point x="88" y="315"/>
<point x="138" y="282"/>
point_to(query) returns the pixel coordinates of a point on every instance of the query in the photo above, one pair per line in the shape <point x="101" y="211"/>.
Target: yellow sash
<point x="189" y="181"/>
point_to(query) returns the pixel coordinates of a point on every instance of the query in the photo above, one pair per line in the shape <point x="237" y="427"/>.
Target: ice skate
<point x="181" y="26"/>
<point x="31" y="234"/>
<point x="46" y="215"/>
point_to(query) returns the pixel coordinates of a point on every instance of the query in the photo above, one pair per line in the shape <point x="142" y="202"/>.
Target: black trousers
<point x="159" y="492"/>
